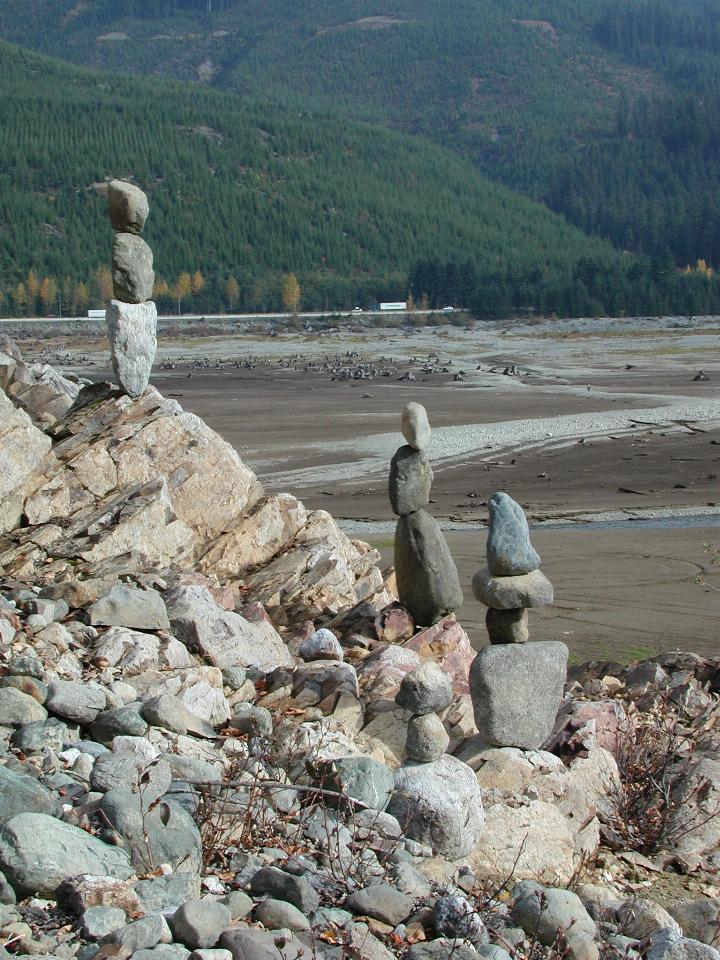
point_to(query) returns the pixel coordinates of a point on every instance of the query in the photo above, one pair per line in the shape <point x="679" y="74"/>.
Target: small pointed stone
<point x="415" y="425"/>
<point x="509" y="551"/>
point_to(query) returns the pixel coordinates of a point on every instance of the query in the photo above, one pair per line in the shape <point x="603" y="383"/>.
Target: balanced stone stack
<point x="516" y="687"/>
<point x="426" y="692"/>
<point x="427" y="578"/>
<point x="131" y="315"/>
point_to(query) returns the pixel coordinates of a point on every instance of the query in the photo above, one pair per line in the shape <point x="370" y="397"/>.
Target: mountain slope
<point x="244" y="189"/>
<point x="538" y="93"/>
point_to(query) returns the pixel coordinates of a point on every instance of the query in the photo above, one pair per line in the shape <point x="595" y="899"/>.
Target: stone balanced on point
<point x="427" y="578"/>
<point x="516" y="687"/>
<point x="131" y="316"/>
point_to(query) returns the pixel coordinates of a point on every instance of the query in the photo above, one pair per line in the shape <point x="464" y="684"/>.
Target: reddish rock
<point x="581" y="724"/>
<point x="394" y="624"/>
<point x="448" y="645"/>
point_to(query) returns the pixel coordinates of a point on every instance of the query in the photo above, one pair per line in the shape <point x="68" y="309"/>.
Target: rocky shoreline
<point x="212" y="707"/>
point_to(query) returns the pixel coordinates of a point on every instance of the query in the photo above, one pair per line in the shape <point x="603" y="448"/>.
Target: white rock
<point x="132" y="328"/>
<point x="415" y="425"/>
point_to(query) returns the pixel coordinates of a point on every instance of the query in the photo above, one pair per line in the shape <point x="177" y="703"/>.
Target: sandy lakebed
<point x="603" y="435"/>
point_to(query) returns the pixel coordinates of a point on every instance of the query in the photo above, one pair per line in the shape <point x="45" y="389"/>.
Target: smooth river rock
<point x="410" y="481"/>
<point x="509" y="551"/>
<point x="415" y="425"/>
<point x="127" y="206"/>
<point x="132" y="268"/>
<point x="427" y="578"/>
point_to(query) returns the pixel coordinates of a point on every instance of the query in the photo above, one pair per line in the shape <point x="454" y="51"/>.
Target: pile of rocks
<point x="516" y="687"/>
<point x="131" y="316"/>
<point x="222" y="738"/>
<point x="427" y="578"/>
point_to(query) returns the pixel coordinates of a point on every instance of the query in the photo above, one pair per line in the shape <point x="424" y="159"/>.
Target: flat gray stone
<point x="38" y="852"/>
<point x="542" y="911"/>
<point x="509" y="551"/>
<point x="34" y="737"/>
<point x="284" y="886"/>
<point x="127" y="206"/>
<point x="410" y="481"/>
<point x="439" y="804"/>
<point x="278" y="914"/>
<point x="125" y="606"/>
<point x="382" y="902"/>
<point x="167" y="894"/>
<point x="18" y="709"/>
<point x="415" y="425"/>
<point x="119" y="722"/>
<point x="427" y="689"/>
<point x="98" y="922"/>
<point x="516" y="691"/>
<point x="132" y="330"/>
<point x="507" y="626"/>
<point x="509" y="593"/>
<point x="75" y="700"/>
<point x="142" y="934"/>
<point x="199" y="923"/>
<point x="132" y="268"/>
<point x="171" y="832"/>
<point x="170" y="713"/>
<point x="427" y="578"/>
<point x="20" y="793"/>
<point x="362" y="778"/>
<point x="427" y="739"/>
<point x="667" y="945"/>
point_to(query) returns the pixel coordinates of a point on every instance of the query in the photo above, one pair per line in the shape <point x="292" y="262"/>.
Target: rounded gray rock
<point x="510" y="593"/>
<point x="507" y="626"/>
<point x="75" y="700"/>
<point x="427" y="739"/>
<point x="127" y="206"/>
<point x="439" y="804"/>
<point x="427" y="578"/>
<point x="322" y="645"/>
<point x="381" y="901"/>
<point x="453" y="916"/>
<point x="542" y="911"/>
<point x="279" y="914"/>
<point x="252" y="721"/>
<point x="199" y="923"/>
<point x="415" y="425"/>
<point x="132" y="268"/>
<point x="516" y="692"/>
<point x="18" y="709"/>
<point x="509" y="551"/>
<point x="38" y="852"/>
<point x="410" y="481"/>
<point x="427" y="689"/>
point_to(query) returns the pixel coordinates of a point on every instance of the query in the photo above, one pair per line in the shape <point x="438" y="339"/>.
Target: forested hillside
<point x="605" y="110"/>
<point x="242" y="194"/>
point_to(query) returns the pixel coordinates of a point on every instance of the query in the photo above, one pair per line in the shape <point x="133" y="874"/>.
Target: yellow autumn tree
<point x="291" y="294"/>
<point x="48" y="293"/>
<point x="182" y="288"/>
<point x="160" y="288"/>
<point x="197" y="282"/>
<point x="32" y="285"/>
<point x="19" y="296"/>
<point x="104" y="284"/>
<point x="232" y="292"/>
<point x="81" y="298"/>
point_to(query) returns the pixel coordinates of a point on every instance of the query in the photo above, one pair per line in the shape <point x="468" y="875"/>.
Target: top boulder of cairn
<point x="127" y="205"/>
<point x="509" y="551"/>
<point x="415" y="426"/>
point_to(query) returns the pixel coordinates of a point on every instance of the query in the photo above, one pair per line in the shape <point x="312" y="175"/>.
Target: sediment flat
<point x="601" y="416"/>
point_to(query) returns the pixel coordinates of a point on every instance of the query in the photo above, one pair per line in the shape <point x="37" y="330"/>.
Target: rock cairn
<point x="426" y="692"/>
<point x="131" y="315"/>
<point x="516" y="687"/>
<point x="427" y="578"/>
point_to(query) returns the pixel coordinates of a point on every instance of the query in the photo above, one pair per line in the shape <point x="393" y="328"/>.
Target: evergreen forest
<point x="365" y="149"/>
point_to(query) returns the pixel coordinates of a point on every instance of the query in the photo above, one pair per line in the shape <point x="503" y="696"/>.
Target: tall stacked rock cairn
<point x="131" y="316"/>
<point x="427" y="578"/>
<point x="516" y="686"/>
